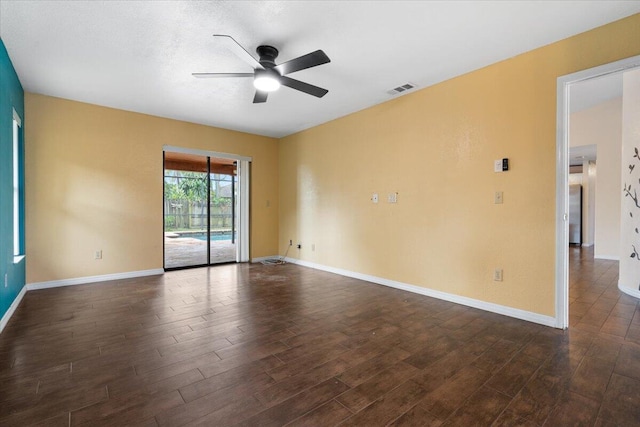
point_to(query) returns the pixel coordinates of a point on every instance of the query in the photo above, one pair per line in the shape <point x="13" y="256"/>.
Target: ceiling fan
<point x="267" y="76"/>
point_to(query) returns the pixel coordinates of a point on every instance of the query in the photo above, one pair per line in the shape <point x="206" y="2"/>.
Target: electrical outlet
<point x="497" y="275"/>
<point x="98" y="254"/>
<point x="313" y="247"/>
<point x="392" y="198"/>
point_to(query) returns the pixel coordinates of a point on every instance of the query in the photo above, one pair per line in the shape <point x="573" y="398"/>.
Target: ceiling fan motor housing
<point x="268" y="55"/>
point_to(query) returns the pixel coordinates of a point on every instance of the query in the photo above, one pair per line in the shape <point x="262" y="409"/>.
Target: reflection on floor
<point x="187" y="251"/>
<point x="252" y="345"/>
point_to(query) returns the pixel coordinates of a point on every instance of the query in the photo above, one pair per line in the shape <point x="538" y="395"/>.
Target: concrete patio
<point x="187" y="251"/>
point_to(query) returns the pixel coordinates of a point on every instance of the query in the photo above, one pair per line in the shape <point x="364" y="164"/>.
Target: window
<point x="18" y="161"/>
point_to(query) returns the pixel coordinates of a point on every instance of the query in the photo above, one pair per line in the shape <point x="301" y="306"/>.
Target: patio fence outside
<point x="183" y="215"/>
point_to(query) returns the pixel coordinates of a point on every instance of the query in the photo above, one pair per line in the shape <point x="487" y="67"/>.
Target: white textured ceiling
<point x="139" y="55"/>
<point x="589" y="93"/>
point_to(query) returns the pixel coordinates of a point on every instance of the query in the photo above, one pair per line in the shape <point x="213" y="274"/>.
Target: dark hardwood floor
<point x="256" y="345"/>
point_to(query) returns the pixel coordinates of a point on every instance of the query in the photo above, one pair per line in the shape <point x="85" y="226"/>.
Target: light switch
<point x="498" y="198"/>
<point x="392" y="198"/>
<point x="374" y="198"/>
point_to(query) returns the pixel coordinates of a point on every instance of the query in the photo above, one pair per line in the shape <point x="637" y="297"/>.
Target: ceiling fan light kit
<point x="267" y="80"/>
<point x="267" y="76"/>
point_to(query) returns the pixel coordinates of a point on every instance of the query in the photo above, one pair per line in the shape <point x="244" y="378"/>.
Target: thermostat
<point x="501" y="165"/>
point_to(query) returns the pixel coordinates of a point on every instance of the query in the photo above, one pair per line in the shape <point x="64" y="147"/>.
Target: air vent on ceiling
<point x="403" y="88"/>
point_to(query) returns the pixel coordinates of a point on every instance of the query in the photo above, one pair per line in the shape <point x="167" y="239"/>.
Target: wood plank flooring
<point x="255" y="345"/>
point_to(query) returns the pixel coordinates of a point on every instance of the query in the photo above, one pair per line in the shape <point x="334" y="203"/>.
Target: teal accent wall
<point x="11" y="97"/>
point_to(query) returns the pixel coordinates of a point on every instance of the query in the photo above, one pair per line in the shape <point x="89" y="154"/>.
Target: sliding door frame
<point x="243" y="176"/>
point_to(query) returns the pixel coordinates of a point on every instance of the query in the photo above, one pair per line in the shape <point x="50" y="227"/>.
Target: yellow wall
<point x="94" y="181"/>
<point x="436" y="148"/>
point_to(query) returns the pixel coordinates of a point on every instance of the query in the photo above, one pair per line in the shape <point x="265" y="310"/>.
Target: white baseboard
<point x="629" y="291"/>
<point x="587" y="245"/>
<point x="469" y="302"/>
<point x="12" y="308"/>
<point x="93" y="279"/>
<point x="264" y="258"/>
<point x="608" y="257"/>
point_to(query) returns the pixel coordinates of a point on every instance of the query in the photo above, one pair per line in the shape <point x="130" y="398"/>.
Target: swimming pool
<point x="203" y="236"/>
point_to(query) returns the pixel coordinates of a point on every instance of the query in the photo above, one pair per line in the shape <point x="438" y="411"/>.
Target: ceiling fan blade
<point x="303" y="87"/>
<point x="213" y="75"/>
<point x="303" y="62"/>
<point x="231" y="44"/>
<point x="260" y="96"/>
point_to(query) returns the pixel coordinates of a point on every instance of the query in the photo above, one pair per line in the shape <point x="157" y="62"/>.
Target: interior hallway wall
<point x="590" y="179"/>
<point x="630" y="177"/>
<point x="601" y="125"/>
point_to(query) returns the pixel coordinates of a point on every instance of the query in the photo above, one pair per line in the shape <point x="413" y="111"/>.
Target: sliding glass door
<point x="200" y="210"/>
<point x="222" y="215"/>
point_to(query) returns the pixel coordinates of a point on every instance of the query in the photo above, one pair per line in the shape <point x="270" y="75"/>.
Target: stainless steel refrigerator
<point x="575" y="214"/>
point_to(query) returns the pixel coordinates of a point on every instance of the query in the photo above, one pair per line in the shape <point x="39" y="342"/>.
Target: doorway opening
<point x="564" y="103"/>
<point x="203" y="210"/>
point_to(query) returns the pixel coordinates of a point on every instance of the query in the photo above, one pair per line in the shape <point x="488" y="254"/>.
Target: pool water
<point x="203" y="236"/>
